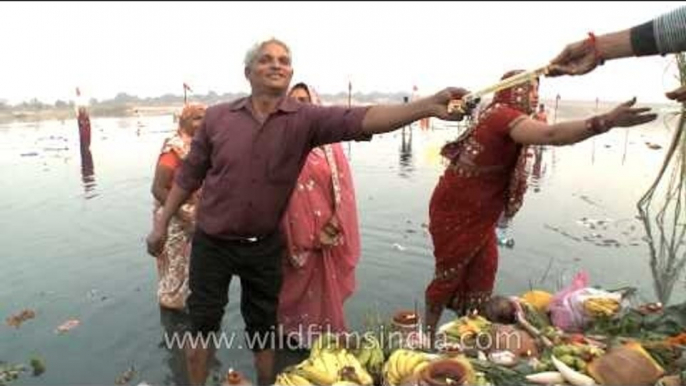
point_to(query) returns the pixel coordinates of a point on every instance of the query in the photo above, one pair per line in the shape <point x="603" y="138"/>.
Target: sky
<point x="151" y="48"/>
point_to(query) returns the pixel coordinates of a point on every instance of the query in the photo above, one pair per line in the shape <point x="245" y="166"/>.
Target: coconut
<point x="511" y="338"/>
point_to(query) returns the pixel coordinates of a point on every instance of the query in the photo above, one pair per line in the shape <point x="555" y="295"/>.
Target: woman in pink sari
<point x="486" y="178"/>
<point x="323" y="242"/>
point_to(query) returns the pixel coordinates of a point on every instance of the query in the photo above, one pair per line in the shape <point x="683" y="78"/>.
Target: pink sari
<point x="318" y="279"/>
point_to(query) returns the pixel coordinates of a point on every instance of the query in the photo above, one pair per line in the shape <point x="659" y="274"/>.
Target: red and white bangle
<point x="598" y="125"/>
<point x="593" y="41"/>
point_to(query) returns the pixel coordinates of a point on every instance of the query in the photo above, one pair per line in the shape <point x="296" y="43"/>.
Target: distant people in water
<point x="84" y="122"/>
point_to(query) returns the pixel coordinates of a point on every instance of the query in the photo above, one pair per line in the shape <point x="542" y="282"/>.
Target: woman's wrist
<point x="598" y="124"/>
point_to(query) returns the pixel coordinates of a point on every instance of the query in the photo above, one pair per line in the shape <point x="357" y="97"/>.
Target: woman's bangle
<point x="598" y="124"/>
<point x="593" y="41"/>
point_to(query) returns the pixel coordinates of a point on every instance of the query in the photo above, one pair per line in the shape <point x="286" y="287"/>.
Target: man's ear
<point x="246" y="72"/>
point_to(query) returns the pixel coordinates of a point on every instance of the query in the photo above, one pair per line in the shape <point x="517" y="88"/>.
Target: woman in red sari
<point x="486" y="177"/>
<point x="323" y="242"/>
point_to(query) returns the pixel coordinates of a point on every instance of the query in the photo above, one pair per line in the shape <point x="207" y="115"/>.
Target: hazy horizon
<point x="152" y="48"/>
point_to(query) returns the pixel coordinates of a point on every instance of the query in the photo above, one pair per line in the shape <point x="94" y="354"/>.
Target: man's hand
<point x="441" y="100"/>
<point x="576" y="59"/>
<point x="678" y="95"/>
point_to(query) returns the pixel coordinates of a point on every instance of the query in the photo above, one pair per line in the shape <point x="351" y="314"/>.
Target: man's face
<point x="272" y="69"/>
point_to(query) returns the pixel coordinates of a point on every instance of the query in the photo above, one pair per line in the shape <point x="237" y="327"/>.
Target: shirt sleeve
<point x="333" y="124"/>
<point x="663" y="35"/>
<point x="196" y="164"/>
<point x="670" y="31"/>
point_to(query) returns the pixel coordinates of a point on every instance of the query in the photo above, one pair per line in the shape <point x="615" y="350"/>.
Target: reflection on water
<point x="405" y="154"/>
<point x="174" y="323"/>
<point x="538" y="168"/>
<point x="88" y="174"/>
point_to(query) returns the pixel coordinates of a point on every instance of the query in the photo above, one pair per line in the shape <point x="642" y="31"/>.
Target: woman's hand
<point x="330" y="234"/>
<point x="157" y="237"/>
<point x="626" y="116"/>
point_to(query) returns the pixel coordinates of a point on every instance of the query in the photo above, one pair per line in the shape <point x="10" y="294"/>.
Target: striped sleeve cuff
<point x="670" y="31"/>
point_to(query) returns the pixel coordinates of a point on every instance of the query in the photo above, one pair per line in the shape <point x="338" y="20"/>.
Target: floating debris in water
<point x="9" y="373"/>
<point x="653" y="146"/>
<point x="126" y="376"/>
<point x="588" y="200"/>
<point x="17" y="319"/>
<point x="38" y="366"/>
<point x="398" y="247"/>
<point x="66" y="326"/>
<point x="29" y="154"/>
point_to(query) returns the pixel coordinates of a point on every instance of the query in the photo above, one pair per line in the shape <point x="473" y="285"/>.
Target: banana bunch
<point x="330" y="366"/>
<point x="602" y="307"/>
<point x="291" y="379"/>
<point x="403" y="364"/>
<point x="370" y="355"/>
<point x="324" y="342"/>
<point x="473" y="324"/>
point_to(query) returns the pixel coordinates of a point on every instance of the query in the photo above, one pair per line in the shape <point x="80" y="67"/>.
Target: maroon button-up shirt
<point x="250" y="169"/>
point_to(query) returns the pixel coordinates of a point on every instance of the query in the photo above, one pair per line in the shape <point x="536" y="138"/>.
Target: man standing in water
<point x="247" y="155"/>
<point x="84" y="121"/>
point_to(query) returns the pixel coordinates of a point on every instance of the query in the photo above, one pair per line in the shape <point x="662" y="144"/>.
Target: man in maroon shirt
<point x="248" y="155"/>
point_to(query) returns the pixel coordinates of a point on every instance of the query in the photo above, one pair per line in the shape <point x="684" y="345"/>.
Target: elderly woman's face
<point x="193" y="122"/>
<point x="300" y="95"/>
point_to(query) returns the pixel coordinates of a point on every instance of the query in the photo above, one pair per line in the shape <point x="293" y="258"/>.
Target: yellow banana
<point x="405" y="360"/>
<point x="413" y="359"/>
<point x="376" y="362"/>
<point x="330" y="361"/>
<point x="363" y="376"/>
<point x="316" y="375"/>
<point x="421" y="366"/>
<point x="324" y="342"/>
<point x="388" y="373"/>
<point x="396" y="360"/>
<point x="297" y="380"/>
<point x="317" y="363"/>
<point x="282" y="380"/>
<point x="364" y="354"/>
<point x="341" y="358"/>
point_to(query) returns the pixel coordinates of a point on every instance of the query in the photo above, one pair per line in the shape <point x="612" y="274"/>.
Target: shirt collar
<point x="287" y="105"/>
